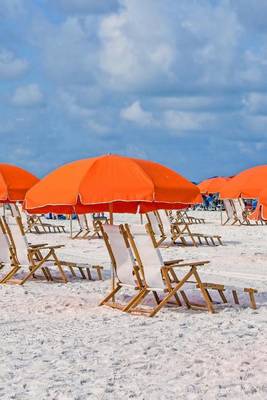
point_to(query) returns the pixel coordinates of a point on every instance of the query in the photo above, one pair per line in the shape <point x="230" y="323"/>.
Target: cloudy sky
<point x="181" y="82"/>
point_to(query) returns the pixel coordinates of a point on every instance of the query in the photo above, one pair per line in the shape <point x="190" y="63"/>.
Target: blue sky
<point x="181" y="82"/>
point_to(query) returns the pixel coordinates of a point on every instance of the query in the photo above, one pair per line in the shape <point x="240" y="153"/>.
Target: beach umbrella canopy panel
<point x="212" y="185"/>
<point x="247" y="184"/>
<point x="110" y="183"/>
<point x="14" y="183"/>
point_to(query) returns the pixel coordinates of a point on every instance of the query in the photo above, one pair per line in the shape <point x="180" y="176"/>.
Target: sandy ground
<point x="56" y="343"/>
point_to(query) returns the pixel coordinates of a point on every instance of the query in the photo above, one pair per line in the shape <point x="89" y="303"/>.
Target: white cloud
<point x="68" y="49"/>
<point x="180" y="122"/>
<point x="11" y="67"/>
<point x="27" y="96"/>
<point x="137" y="45"/>
<point x="135" y="113"/>
<point x="256" y="103"/>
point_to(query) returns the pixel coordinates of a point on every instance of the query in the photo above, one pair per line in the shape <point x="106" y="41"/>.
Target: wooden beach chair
<point x="21" y="250"/>
<point x="157" y="276"/>
<point x="183" y="217"/>
<point x="88" y="227"/>
<point x="24" y="255"/>
<point x="125" y="274"/>
<point x="184" y="234"/>
<point x="33" y="223"/>
<point x="208" y="287"/>
<point x="156" y="229"/>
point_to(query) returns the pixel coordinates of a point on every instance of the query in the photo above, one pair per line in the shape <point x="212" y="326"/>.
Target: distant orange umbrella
<point x="110" y="183"/>
<point x="248" y="184"/>
<point x="212" y="185"/>
<point x="14" y="183"/>
<point x="261" y="210"/>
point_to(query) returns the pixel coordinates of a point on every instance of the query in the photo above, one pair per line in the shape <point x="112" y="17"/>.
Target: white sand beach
<point x="57" y="343"/>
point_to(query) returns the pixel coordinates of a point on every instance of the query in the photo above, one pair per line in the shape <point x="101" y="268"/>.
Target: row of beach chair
<point x="163" y="226"/>
<point x="236" y="213"/>
<point x="140" y="269"/>
<point x="17" y="254"/>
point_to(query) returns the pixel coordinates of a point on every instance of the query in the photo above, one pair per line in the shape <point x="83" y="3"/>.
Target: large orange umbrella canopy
<point x="110" y="183"/>
<point x="14" y="183"/>
<point x="212" y="185"/>
<point x="248" y="184"/>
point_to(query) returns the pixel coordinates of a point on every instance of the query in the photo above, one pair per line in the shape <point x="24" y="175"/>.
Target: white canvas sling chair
<point x="23" y="255"/>
<point x="157" y="277"/>
<point x="183" y="232"/>
<point x="88" y="228"/>
<point x="125" y="273"/>
<point x="156" y="229"/>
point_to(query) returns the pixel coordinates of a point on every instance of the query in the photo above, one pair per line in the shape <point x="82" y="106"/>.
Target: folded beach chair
<point x="183" y="217"/>
<point x="183" y="233"/>
<point x="157" y="276"/>
<point x="88" y="227"/>
<point x="241" y="212"/>
<point x="23" y="254"/>
<point x="230" y="212"/>
<point x="125" y="274"/>
<point x="34" y="223"/>
<point x="155" y="228"/>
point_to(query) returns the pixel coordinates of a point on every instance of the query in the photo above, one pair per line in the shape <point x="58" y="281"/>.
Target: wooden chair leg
<point x="81" y="272"/>
<point x="236" y="300"/>
<point x="185" y="298"/>
<point x="49" y="274"/>
<point x="251" y="292"/>
<point x="156" y="297"/>
<point x="110" y="295"/>
<point x="99" y="269"/>
<point x="136" y="300"/>
<point x="224" y="299"/>
<point x="89" y="274"/>
<point x="10" y="274"/>
<point x="72" y="271"/>
<point x="203" y="291"/>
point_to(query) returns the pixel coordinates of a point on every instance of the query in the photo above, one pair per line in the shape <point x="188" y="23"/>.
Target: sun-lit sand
<point x="56" y="343"/>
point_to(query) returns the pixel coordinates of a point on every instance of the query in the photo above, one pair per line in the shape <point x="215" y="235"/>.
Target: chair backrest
<point x="147" y="256"/>
<point x="82" y="221"/>
<point x="17" y="239"/>
<point x="164" y="218"/>
<point x="242" y="204"/>
<point x="228" y="208"/>
<point x="14" y="210"/>
<point x="153" y="220"/>
<point x="120" y="253"/>
<point x="4" y="244"/>
<point x="238" y="209"/>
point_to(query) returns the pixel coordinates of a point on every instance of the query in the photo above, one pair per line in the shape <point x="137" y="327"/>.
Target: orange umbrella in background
<point x="261" y="210"/>
<point x="14" y="183"/>
<point x="247" y="184"/>
<point x="212" y="185"/>
<point x="110" y="183"/>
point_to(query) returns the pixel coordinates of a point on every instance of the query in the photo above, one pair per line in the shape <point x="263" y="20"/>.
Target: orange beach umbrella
<point x="110" y="183"/>
<point x="14" y="183"/>
<point x="247" y="184"/>
<point x="212" y="185"/>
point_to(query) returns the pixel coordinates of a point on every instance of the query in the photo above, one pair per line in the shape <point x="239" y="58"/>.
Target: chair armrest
<point x="189" y="264"/>
<point x="170" y="262"/>
<point x="37" y="245"/>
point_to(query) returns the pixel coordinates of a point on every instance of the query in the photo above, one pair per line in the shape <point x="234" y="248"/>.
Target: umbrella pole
<point x="111" y="214"/>
<point x="71" y="226"/>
